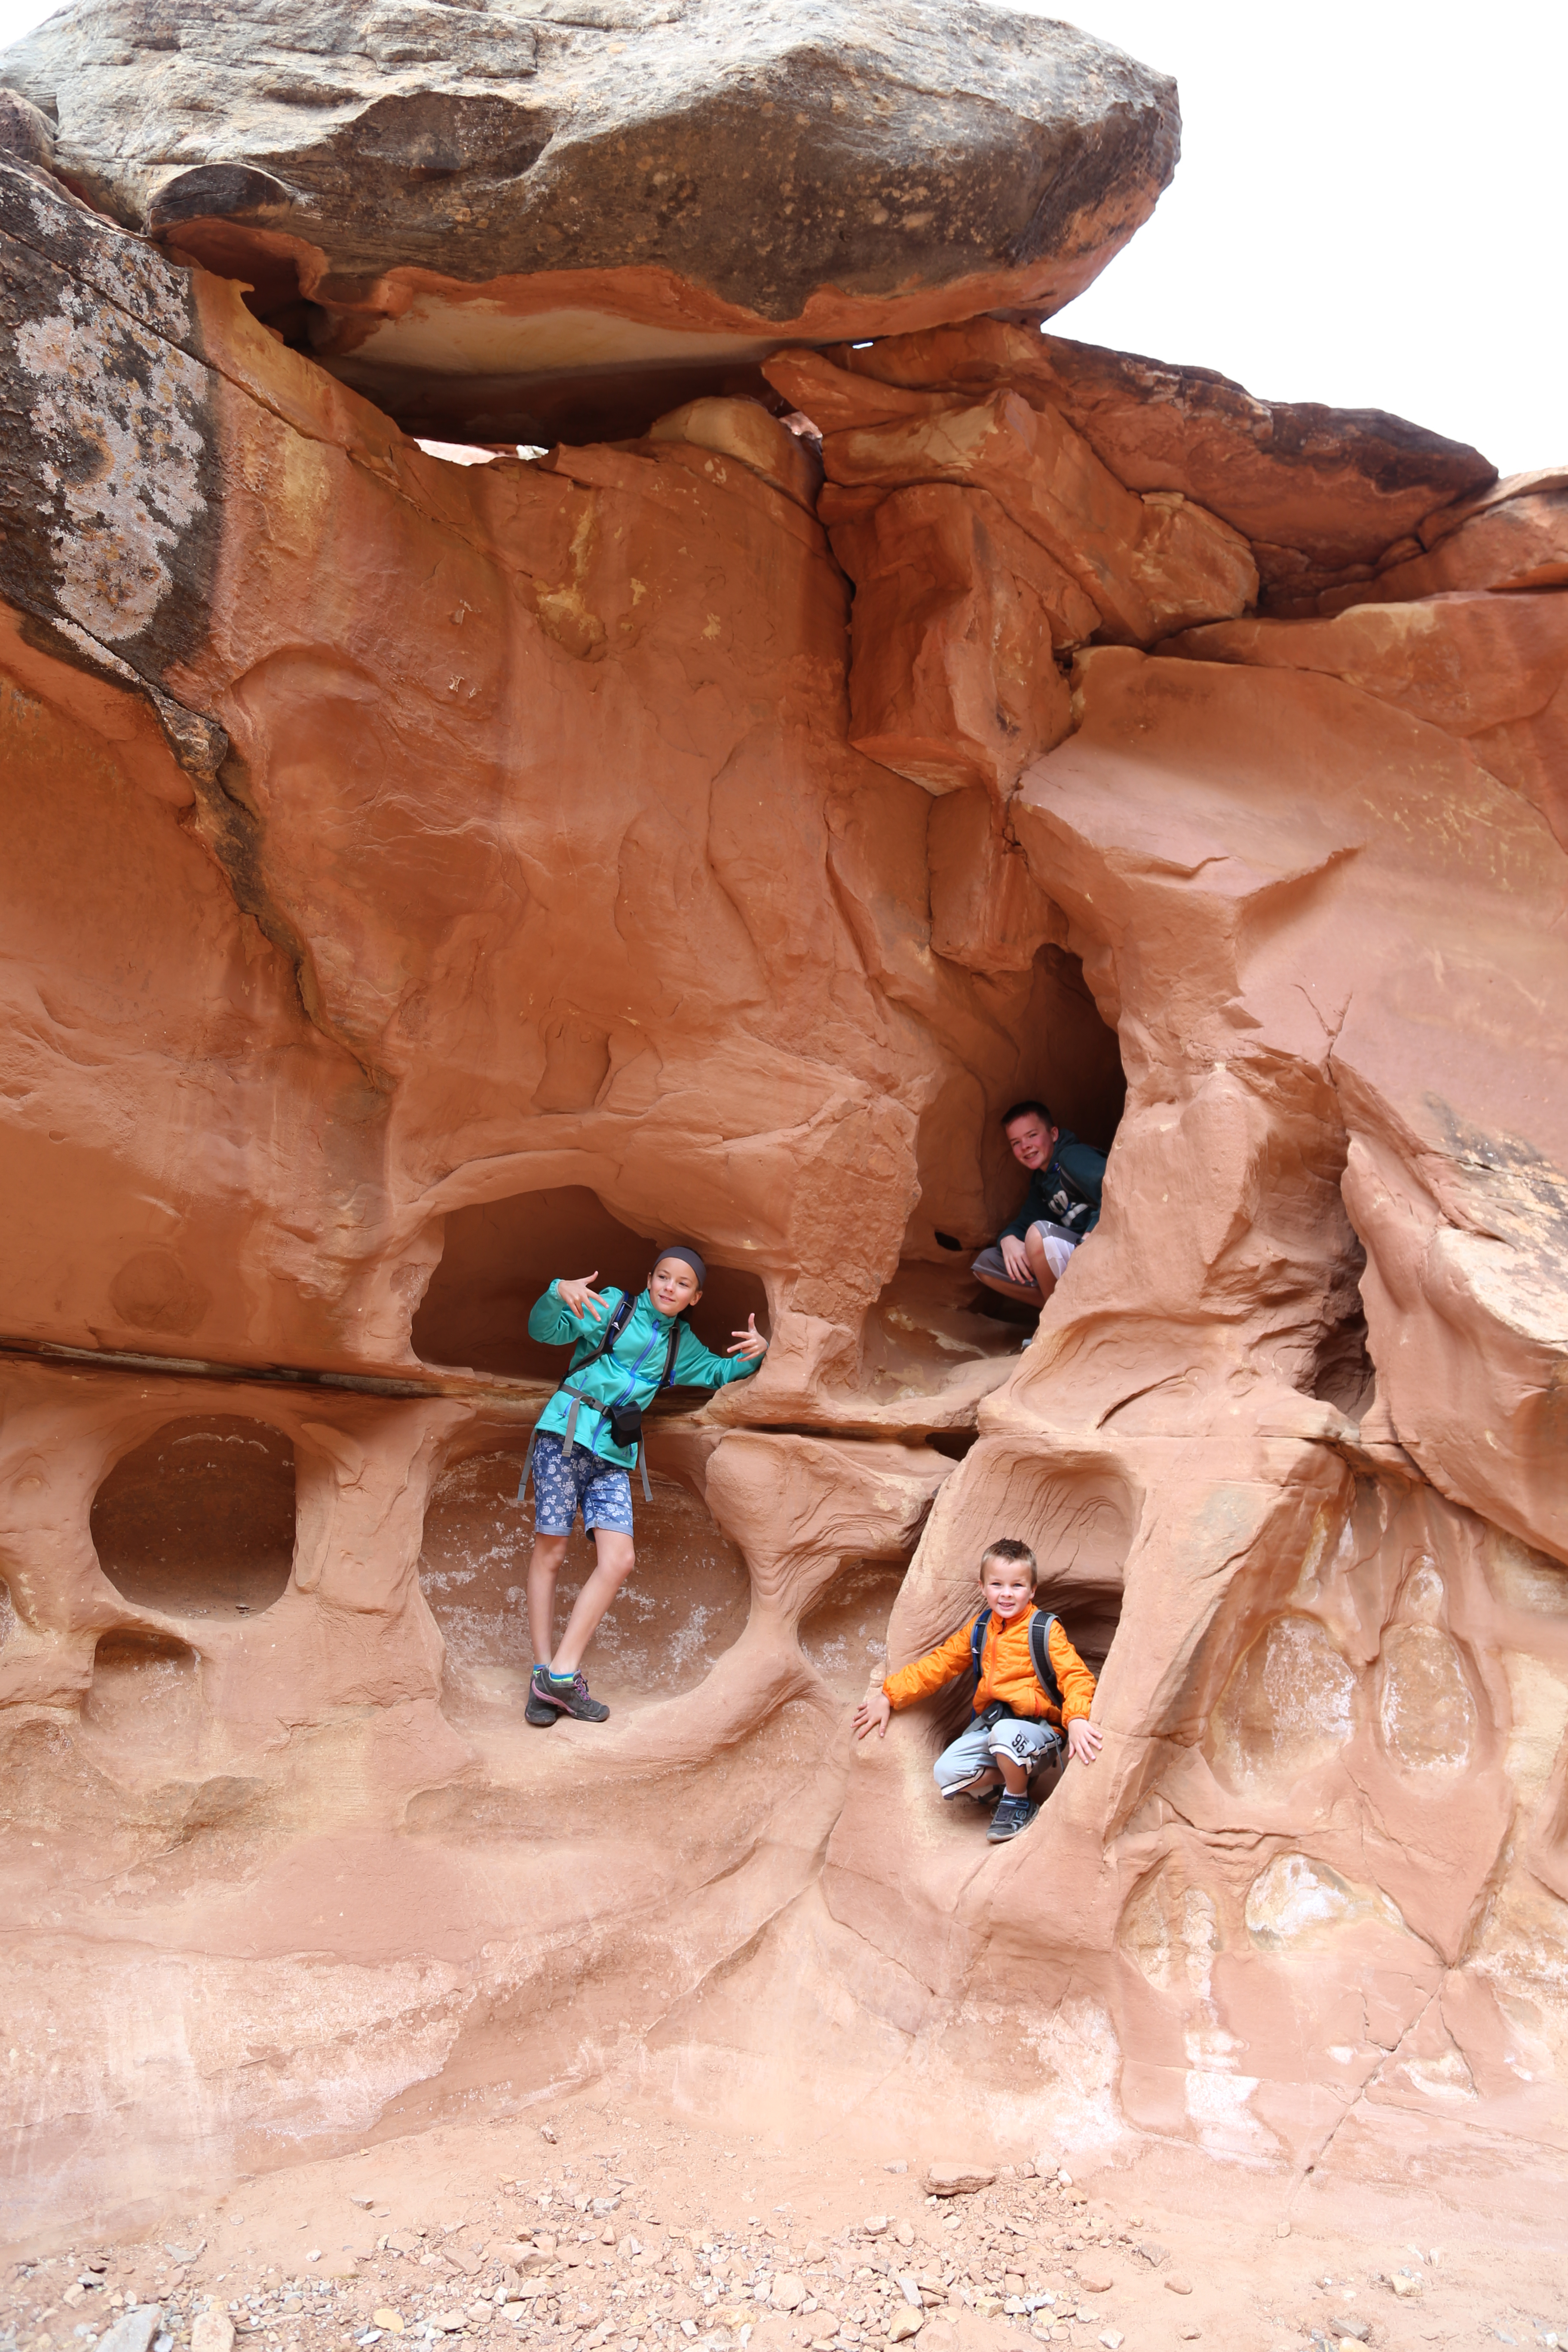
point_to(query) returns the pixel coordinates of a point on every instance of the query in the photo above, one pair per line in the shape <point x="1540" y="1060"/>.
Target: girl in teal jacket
<point x="588" y="1437"/>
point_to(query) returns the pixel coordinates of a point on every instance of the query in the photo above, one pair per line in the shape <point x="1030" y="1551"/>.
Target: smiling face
<point x="1007" y="1586"/>
<point x="673" y="1287"/>
<point x="1032" y="1141"/>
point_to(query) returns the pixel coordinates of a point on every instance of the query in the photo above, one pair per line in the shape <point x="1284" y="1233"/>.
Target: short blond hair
<point x="1016" y="1555"/>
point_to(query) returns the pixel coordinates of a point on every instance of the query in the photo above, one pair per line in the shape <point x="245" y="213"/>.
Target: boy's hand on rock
<point x="578" y="1299"/>
<point x="1084" y="1740"/>
<point x="749" y="1342"/>
<point x="874" y="1714"/>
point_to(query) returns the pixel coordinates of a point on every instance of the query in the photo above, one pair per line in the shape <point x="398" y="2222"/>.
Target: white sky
<point x="1368" y="211"/>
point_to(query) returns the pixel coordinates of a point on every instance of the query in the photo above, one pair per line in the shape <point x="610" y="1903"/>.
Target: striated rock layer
<point x="427" y="878"/>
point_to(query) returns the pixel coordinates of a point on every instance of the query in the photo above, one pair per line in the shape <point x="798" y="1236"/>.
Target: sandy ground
<point x="601" y="2222"/>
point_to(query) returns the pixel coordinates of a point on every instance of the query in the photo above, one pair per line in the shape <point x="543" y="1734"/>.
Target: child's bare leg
<point x="1045" y="1280"/>
<point x="616" y="1556"/>
<point x="1014" y="1775"/>
<point x="543" y="1568"/>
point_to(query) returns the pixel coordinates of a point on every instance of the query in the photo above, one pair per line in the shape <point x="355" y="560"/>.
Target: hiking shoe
<point x="1013" y="1814"/>
<point x="972" y="1786"/>
<point x="566" y="1698"/>
<point x="539" y="1710"/>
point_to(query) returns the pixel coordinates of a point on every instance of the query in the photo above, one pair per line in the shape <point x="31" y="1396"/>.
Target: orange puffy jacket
<point x="1006" y="1671"/>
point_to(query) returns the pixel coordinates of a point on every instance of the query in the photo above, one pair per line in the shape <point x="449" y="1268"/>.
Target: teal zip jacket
<point x="632" y="1370"/>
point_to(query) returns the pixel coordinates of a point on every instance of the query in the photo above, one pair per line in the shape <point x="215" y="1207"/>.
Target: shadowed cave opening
<point x="1090" y="1610"/>
<point x="933" y="1313"/>
<point x="1080" y="1524"/>
<point x="685" y="1603"/>
<point x="1073" y="1061"/>
<point x="198" y="1521"/>
<point x="498" y="1257"/>
<point x="614" y="401"/>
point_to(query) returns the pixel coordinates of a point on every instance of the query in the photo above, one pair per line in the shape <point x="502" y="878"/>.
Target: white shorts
<point x="1015" y="1735"/>
<point x="1058" y="1244"/>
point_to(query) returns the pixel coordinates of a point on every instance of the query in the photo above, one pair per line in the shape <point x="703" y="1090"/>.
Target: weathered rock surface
<point x="427" y="878"/>
<point x="1516" y="539"/>
<point x="1319" y="492"/>
<point x="1490" y="670"/>
<point x="984" y="543"/>
<point x="508" y="218"/>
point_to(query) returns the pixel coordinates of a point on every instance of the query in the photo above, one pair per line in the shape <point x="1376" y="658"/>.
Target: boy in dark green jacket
<point x="1061" y="1206"/>
<point x="579" y="1461"/>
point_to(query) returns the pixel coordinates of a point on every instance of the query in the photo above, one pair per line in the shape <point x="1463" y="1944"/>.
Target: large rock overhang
<point x="519" y="227"/>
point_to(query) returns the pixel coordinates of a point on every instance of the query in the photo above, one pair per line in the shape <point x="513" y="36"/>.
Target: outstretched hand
<point x="579" y="1299"/>
<point x="873" y="1714"/>
<point x="1085" y="1740"/>
<point x="749" y="1342"/>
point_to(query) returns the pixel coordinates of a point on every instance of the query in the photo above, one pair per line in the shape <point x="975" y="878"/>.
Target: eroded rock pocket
<point x="498" y="1257"/>
<point x="199" y="1521"/>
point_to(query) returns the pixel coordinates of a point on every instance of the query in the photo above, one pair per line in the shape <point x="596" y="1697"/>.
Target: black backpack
<point x="626" y="1420"/>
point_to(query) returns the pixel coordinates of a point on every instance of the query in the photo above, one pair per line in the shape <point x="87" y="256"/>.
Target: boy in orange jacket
<point x="1015" y="1717"/>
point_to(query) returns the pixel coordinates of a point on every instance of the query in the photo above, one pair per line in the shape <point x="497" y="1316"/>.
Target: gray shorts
<point x="1060" y="1244"/>
<point x="1015" y="1735"/>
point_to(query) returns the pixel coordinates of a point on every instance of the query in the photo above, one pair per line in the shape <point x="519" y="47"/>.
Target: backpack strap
<point x="977" y="1643"/>
<point x="1060" y="1173"/>
<point x="527" y="1464"/>
<point x="1041" y="1625"/>
<point x="667" y="1381"/>
<point x="618" y="1324"/>
<point x="1080" y="1204"/>
<point x="621" y="1317"/>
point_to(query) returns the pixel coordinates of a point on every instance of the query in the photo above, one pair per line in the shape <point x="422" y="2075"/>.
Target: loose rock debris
<point x="658" y="2241"/>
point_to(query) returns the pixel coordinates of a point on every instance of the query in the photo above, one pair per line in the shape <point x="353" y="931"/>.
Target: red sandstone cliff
<point x="427" y="878"/>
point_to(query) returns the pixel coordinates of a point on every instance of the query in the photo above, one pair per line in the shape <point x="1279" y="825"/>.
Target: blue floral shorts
<point x="564" y="1484"/>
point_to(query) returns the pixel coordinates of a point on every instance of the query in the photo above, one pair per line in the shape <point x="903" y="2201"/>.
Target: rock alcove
<point x="426" y="870"/>
<point x="199" y="1521"/>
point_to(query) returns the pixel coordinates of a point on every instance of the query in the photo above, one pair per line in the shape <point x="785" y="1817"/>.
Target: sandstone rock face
<point x="515" y="217"/>
<point x="1321" y="494"/>
<point x="427" y="878"/>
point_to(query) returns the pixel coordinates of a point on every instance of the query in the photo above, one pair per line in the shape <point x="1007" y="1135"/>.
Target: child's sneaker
<point x="567" y="1698"/>
<point x="540" y="1711"/>
<point x="1013" y="1814"/>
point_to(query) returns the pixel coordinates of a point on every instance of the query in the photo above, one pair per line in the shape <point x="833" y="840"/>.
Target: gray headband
<point x="688" y="1255"/>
